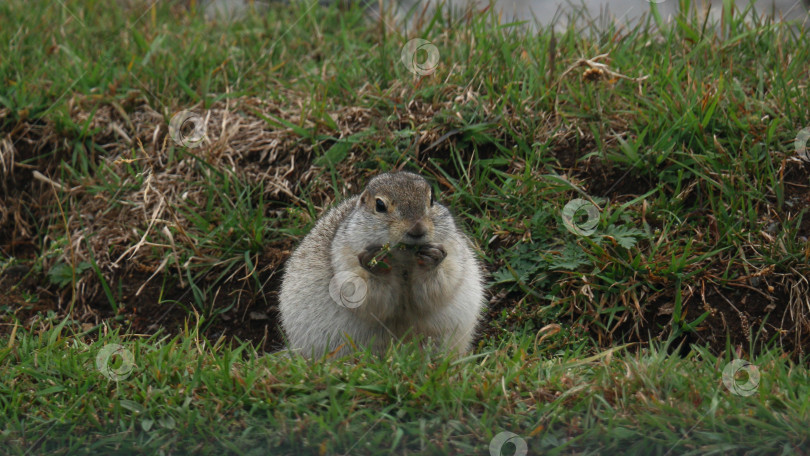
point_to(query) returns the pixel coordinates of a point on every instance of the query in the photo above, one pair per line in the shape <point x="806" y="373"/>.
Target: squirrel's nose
<point x="418" y="230"/>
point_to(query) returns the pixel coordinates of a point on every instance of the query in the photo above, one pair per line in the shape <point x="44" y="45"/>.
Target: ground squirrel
<point x="387" y="264"/>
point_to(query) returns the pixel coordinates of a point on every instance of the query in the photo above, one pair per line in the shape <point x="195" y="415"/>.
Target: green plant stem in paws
<point x="380" y="258"/>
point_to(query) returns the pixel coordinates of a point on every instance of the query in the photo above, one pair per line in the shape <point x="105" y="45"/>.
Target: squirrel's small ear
<point x="362" y="200"/>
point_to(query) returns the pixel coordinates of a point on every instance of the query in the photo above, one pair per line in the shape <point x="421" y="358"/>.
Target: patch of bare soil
<point x="744" y="318"/>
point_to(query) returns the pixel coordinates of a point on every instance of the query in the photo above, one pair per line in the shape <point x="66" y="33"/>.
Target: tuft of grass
<point x="70" y="393"/>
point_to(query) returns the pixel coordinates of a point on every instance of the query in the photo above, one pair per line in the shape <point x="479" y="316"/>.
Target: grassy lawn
<point x="638" y="195"/>
<point x="184" y="395"/>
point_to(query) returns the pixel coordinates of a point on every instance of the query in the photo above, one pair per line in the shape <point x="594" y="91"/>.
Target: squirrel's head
<point x="403" y="203"/>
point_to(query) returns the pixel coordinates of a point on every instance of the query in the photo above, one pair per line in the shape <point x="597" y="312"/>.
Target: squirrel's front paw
<point x="430" y="255"/>
<point x="374" y="259"/>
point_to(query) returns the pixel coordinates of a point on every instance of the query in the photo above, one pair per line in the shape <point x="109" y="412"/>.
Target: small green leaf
<point x="625" y="236"/>
<point x="131" y="406"/>
<point x="166" y="422"/>
<point x="51" y="390"/>
<point x="334" y="155"/>
<point x="61" y="274"/>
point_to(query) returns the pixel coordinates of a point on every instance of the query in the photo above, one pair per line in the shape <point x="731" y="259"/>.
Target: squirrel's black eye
<point x="380" y="205"/>
<point x="431" y="197"/>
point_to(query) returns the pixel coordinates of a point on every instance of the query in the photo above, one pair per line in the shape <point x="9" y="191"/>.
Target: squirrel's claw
<point x="369" y="261"/>
<point x="430" y="255"/>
